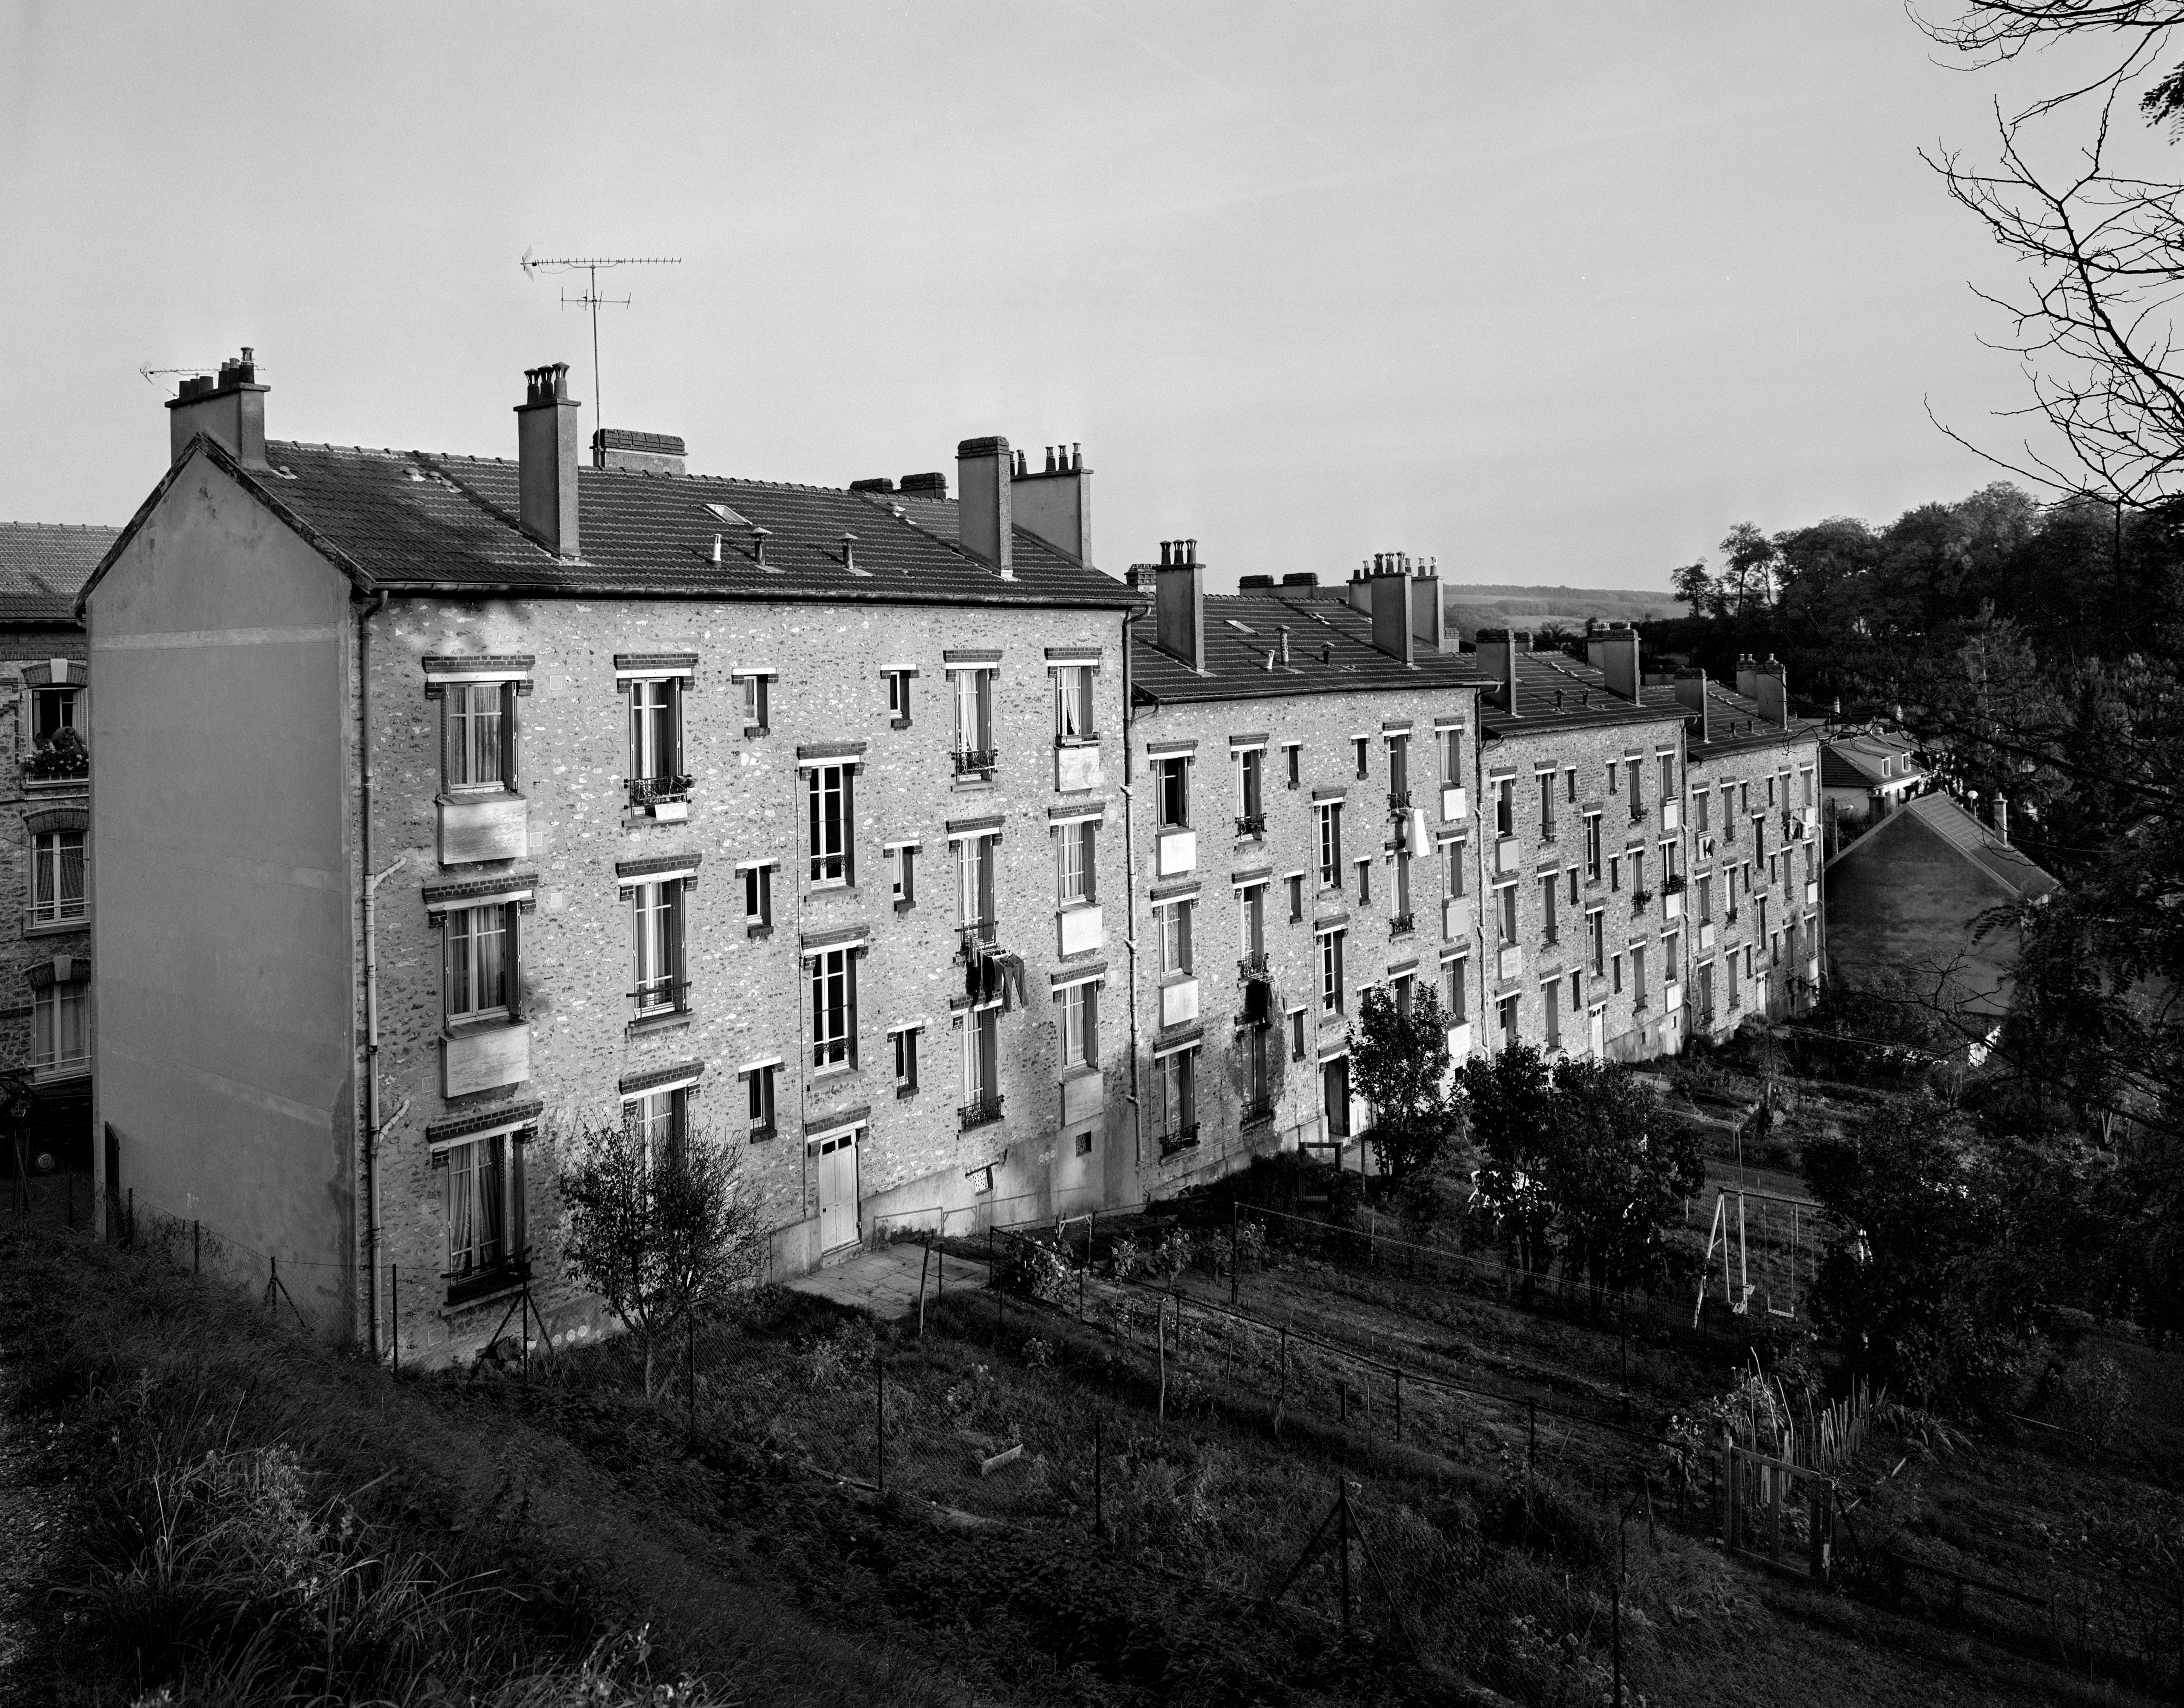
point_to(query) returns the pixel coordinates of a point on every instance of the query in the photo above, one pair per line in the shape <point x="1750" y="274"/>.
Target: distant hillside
<point x="1477" y="606"/>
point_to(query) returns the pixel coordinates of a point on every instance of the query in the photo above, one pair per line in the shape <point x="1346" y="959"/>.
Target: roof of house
<point x="1330" y="652"/>
<point x="43" y="565"/>
<point x="1863" y="761"/>
<point x="1556" y="691"/>
<point x="424" y="521"/>
<point x="1940" y="814"/>
<point x="1735" y="722"/>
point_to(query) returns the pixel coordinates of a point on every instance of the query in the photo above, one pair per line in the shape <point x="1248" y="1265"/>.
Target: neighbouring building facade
<point x="1582" y="939"/>
<point x="1865" y="775"/>
<point x="1907" y="908"/>
<point x="45" y="1020"/>
<point x="1300" y="828"/>
<point x="1751" y="901"/>
<point x="462" y="805"/>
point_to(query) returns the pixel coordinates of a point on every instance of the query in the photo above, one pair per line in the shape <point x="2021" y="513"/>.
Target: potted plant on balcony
<point x="1639" y="900"/>
<point x="59" y="755"/>
<point x="1673" y="884"/>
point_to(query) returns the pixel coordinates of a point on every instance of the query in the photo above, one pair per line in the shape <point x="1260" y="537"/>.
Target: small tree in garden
<point x="1617" y="1175"/>
<point x="659" y="1237"/>
<point x="1509" y="1101"/>
<point x="1399" y="1060"/>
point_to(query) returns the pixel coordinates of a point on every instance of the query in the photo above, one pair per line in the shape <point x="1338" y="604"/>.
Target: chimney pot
<point x="230" y="410"/>
<point x="1613" y="652"/>
<point x="546" y="461"/>
<point x="1283" y="630"/>
<point x="1179" y="609"/>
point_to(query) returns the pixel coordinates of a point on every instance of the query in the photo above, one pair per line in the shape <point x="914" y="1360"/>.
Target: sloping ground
<point x="1481" y="605"/>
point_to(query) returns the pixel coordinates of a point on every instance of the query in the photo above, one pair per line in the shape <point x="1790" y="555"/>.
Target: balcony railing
<point x="980" y="1110"/>
<point x="1639" y="812"/>
<point x="1253" y="966"/>
<point x="68" y="911"/>
<point x="1251" y="824"/>
<point x="61" y="757"/>
<point x="978" y="938"/>
<point x="1402" y="924"/>
<point x="482" y="1280"/>
<point x="1184" y="1138"/>
<point x="648" y="792"/>
<point x="973" y="762"/>
<point x="1673" y="884"/>
<point x="660" y="995"/>
<point x="1399" y="803"/>
<point x="1258" y="1113"/>
<point x="1640" y="901"/>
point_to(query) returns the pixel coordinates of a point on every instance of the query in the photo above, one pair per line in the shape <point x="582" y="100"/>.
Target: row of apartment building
<point x="446" y="806"/>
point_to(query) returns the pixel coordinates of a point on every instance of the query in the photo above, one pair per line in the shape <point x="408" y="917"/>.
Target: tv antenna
<point x="590" y="299"/>
<point x="153" y="376"/>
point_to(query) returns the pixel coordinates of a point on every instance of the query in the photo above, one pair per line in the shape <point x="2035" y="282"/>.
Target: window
<point x="1399" y="770"/>
<point x="1612" y="788"/>
<point x="898" y="691"/>
<point x="758" y="900"/>
<point x="1551" y="1008"/>
<point x="1453" y="856"/>
<point x="828" y="818"/>
<point x="478" y="727"/>
<point x="1637" y="869"/>
<point x="655" y="739"/>
<point x="1671" y="959"/>
<point x="1451" y="757"/>
<point x="982" y="1071"/>
<point x="1250" y="792"/>
<point x="1595" y="927"/>
<point x="1705" y="887"/>
<point x="1259" y="1058"/>
<point x="905" y="1061"/>
<point x="1572" y="875"/>
<point x="1744" y="794"/>
<point x="1251" y="921"/>
<point x="1401" y="901"/>
<point x="974" y="881"/>
<point x="1330" y="845"/>
<point x="1402" y="987"/>
<point x="477" y="1209"/>
<point x="1505" y="806"/>
<point x="755" y="688"/>
<point x="1701" y="802"/>
<point x="1548" y="885"/>
<point x="1671" y="857"/>
<point x="835" y="1009"/>
<point x="1456" y="989"/>
<point x="477" y="945"/>
<point x="61" y="1033"/>
<point x="1296" y="896"/>
<point x="1076" y="850"/>
<point x="1615" y="973"/>
<point x="974" y="722"/>
<point x="1637" y="795"/>
<point x="1638" y="974"/>
<point x="1569" y="786"/>
<point x="1547" y="782"/>
<point x="902" y="875"/>
<point x="758" y="1098"/>
<point x="51" y="711"/>
<point x="1727" y="812"/>
<point x="1174" y="778"/>
<point x="56" y="877"/>
<point x="1293" y="754"/>
<point x="1072" y="704"/>
<point x="1172" y="922"/>
<point x="1175" y="1089"/>
<point x="656" y="916"/>
<point x="1364" y="878"/>
<point x="1592" y="847"/>
<point x="656" y="1118"/>
<point x="1363" y="745"/>
<point x="1330" y="972"/>
<point x="1507" y="1016"/>
<point x="1576" y="994"/>
<point x="1747" y="960"/>
<point x="1805" y="786"/>
<point x="1296" y="1034"/>
<point x="1077" y="1020"/>
<point x="1614" y="872"/>
<point x="1668" y="790"/>
<point x="1505" y="912"/>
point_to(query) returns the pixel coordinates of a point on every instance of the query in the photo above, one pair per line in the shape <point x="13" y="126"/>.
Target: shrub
<point x="2093" y="1398"/>
<point x="1038" y="1269"/>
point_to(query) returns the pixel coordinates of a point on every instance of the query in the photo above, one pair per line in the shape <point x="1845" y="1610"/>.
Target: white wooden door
<point x="1600" y="1034"/>
<point x="836" y="1161"/>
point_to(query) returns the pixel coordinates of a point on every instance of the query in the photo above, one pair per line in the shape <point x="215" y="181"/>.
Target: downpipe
<point x="372" y="880"/>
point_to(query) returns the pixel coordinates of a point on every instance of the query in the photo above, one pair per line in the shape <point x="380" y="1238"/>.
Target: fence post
<point x="1282" y="1398"/>
<point x="924" y="1263"/>
<point x="1343" y="1542"/>
<point x="879" y="1421"/>
<point x="1099" y="1473"/>
<point x="394" y="1312"/>
<point x="1159" y="1329"/>
<point x="1235" y="1262"/>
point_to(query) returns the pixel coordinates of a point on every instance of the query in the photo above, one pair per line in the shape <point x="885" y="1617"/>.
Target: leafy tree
<point x="1698" y="590"/>
<point x="659" y="1238"/>
<point x="1508" y="1100"/>
<point x="1400" y="1061"/>
<point x="1617" y="1175"/>
<point x="1748" y="576"/>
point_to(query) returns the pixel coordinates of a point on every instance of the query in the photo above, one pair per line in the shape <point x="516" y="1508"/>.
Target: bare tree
<point x="660" y="1236"/>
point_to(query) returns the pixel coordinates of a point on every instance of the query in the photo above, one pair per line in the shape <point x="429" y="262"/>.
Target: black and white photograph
<point x="682" y="1034"/>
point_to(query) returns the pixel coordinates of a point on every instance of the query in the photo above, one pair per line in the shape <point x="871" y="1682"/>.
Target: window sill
<point x="758" y="931"/>
<point x="470" y="1024"/>
<point x="500" y="1295"/>
<point x="60" y="1076"/>
<point x="670" y="1021"/>
<point x="903" y="904"/>
<point x="55" y="927"/>
<point x="753" y="731"/>
<point x="462" y="796"/>
<point x="1090" y="740"/>
<point x="902" y="1092"/>
<point x="1083" y="1070"/>
<point x="974" y="784"/>
<point x="54" y="785"/>
<point x="834" y="1069"/>
<point x="898" y="723"/>
<point x="760" y="1133"/>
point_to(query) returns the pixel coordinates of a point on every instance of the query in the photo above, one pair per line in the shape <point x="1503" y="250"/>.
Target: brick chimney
<point x="546" y="460"/>
<point x="1772" y="687"/>
<point x="1055" y="503"/>
<point x="1388" y="595"/>
<point x="1747" y="677"/>
<point x="230" y="410"/>
<point x="1691" y="695"/>
<point x="1497" y="655"/>
<point x="1613" y="652"/>
<point x="928" y="485"/>
<point x="1428" y="616"/>
<point x="648" y="453"/>
<point x="1179" y="604"/>
<point x="985" y="524"/>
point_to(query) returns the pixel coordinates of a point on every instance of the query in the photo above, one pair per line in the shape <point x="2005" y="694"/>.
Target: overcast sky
<point x="1553" y="292"/>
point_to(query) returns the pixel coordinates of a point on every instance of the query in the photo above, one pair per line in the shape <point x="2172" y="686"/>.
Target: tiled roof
<point x="418" y="520"/>
<point x="1733" y="721"/>
<point x="1556" y="691"/>
<point x="1961" y="831"/>
<point x="44" y="564"/>
<point x="1331" y="652"/>
<point x="1860" y="762"/>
